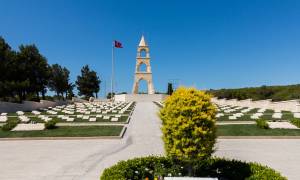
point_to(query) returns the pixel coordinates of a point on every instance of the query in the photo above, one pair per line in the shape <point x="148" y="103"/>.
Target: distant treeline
<point x="276" y="93"/>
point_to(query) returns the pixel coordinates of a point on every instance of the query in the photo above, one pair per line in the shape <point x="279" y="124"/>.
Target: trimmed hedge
<point x="262" y="124"/>
<point x="153" y="166"/>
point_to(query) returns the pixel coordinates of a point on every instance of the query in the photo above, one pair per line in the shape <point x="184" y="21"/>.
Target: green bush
<point x="296" y="122"/>
<point x="261" y="123"/>
<point x="189" y="130"/>
<point x="10" y="124"/>
<point x="153" y="166"/>
<point x="51" y="124"/>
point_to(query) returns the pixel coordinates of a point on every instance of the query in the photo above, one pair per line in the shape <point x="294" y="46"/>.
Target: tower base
<point x="140" y="97"/>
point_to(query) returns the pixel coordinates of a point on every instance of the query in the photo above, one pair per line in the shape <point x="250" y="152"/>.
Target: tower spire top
<point x="142" y="42"/>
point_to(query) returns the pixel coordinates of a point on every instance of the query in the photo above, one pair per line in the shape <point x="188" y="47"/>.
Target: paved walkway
<point x="280" y="154"/>
<point x="235" y="122"/>
<point x="81" y="159"/>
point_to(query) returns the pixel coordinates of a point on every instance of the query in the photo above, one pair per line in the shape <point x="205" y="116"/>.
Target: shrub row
<point x="10" y="124"/>
<point x="153" y="166"/>
<point x="261" y="123"/>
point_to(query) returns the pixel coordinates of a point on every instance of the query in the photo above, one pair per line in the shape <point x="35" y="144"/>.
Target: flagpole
<point x="112" y="72"/>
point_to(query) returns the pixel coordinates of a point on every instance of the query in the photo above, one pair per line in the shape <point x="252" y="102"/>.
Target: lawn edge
<point x="120" y="136"/>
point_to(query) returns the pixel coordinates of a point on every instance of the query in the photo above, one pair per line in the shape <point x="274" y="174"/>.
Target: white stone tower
<point x="143" y="57"/>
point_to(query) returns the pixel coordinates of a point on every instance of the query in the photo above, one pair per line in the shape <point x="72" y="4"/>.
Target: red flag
<point x="118" y="44"/>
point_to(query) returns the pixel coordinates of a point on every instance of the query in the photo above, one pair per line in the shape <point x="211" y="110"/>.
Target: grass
<point x="296" y="122"/>
<point x="66" y="131"/>
<point x="253" y="130"/>
<point x="287" y="115"/>
<point x="267" y="114"/>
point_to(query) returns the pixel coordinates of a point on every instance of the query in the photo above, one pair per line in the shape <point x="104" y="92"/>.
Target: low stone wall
<point x="140" y="97"/>
<point x="291" y="105"/>
<point x="75" y="99"/>
<point x="29" y="105"/>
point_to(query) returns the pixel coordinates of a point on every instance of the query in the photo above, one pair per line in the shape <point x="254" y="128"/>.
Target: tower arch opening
<point x="143" y="53"/>
<point x="143" y="86"/>
<point x="142" y="67"/>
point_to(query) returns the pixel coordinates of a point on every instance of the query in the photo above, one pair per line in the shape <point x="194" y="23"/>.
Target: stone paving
<point x="280" y="154"/>
<point x="29" y="127"/>
<point x="282" y="125"/>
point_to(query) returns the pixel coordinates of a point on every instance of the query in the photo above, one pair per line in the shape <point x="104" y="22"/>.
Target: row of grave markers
<point x="235" y="115"/>
<point x="100" y="108"/>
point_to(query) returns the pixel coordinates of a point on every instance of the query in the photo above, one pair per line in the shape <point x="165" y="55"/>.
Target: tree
<point x="108" y="96"/>
<point x="59" y="80"/>
<point x="32" y="66"/>
<point x="70" y="94"/>
<point x="189" y="130"/>
<point x="5" y="56"/>
<point x="88" y="84"/>
<point x="170" y="89"/>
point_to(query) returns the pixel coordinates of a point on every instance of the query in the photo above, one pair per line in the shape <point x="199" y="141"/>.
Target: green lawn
<point x="253" y="130"/>
<point x="67" y="131"/>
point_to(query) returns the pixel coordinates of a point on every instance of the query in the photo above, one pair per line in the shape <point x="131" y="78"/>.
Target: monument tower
<point x="143" y="57"/>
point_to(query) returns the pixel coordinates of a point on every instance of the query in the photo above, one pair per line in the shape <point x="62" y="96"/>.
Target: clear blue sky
<point x="207" y="44"/>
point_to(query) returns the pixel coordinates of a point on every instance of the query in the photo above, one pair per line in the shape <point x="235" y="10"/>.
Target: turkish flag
<point x="118" y="44"/>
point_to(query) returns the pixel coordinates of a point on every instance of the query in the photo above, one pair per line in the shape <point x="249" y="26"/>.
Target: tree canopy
<point x="88" y="83"/>
<point x="276" y="93"/>
<point x="59" y="80"/>
<point x="26" y="74"/>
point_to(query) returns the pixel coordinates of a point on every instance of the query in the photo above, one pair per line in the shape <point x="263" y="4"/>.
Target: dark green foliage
<point x="23" y="73"/>
<point x="67" y="131"/>
<point x="253" y="130"/>
<point x="261" y="123"/>
<point x="51" y="124"/>
<point x="26" y="74"/>
<point x="59" y="80"/>
<point x="70" y="94"/>
<point x="276" y="93"/>
<point x="88" y="84"/>
<point x="170" y="89"/>
<point x="10" y="124"/>
<point x="109" y="95"/>
<point x="33" y="67"/>
<point x="152" y="166"/>
<point x="296" y="122"/>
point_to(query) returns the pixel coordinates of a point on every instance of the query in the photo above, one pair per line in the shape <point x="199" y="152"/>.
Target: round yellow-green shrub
<point x="189" y="130"/>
